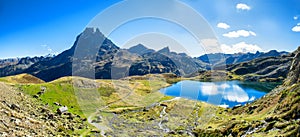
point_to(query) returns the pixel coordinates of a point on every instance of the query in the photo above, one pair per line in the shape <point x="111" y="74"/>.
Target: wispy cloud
<point x="242" y="6"/>
<point x="296" y="28"/>
<point x="49" y="49"/>
<point x="241" y="47"/>
<point x="239" y="33"/>
<point x="296" y="17"/>
<point x="223" y="25"/>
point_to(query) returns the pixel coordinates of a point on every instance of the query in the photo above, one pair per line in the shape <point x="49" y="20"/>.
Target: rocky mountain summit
<point x="140" y="49"/>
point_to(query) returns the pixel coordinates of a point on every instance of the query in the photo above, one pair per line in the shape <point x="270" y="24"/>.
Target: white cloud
<point x="232" y="93"/>
<point x="209" y="89"/>
<point x="236" y="95"/>
<point x="296" y="17"/>
<point x="296" y="28"/>
<point x="223" y="25"/>
<point x="239" y="33"/>
<point x="242" y="6"/>
<point x="241" y="47"/>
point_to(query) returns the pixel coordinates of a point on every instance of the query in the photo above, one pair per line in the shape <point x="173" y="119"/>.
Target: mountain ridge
<point x="214" y="58"/>
<point x="108" y="57"/>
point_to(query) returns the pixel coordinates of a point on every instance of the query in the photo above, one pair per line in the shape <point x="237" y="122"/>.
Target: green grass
<point x="87" y="100"/>
<point x="61" y="93"/>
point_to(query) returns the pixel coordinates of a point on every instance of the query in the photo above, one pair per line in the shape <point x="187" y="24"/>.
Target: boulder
<point x="62" y="110"/>
<point x="15" y="107"/>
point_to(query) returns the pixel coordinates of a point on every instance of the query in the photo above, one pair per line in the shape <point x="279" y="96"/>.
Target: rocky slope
<point x="266" y="68"/>
<point x="165" y="61"/>
<point x="277" y="113"/>
<point x="22" y="115"/>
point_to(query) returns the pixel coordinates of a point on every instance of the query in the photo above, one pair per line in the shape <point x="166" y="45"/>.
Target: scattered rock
<point x="236" y="106"/>
<point x="35" y="96"/>
<point x="151" y="118"/>
<point x="40" y="93"/>
<point x="252" y="107"/>
<point x="50" y="116"/>
<point x="164" y="105"/>
<point x="270" y="119"/>
<point x="172" y="132"/>
<point x="95" y="131"/>
<point x="57" y="104"/>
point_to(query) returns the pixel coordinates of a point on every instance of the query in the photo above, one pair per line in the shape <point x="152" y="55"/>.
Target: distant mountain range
<point x="238" y="57"/>
<point x="10" y="61"/>
<point x="19" y="65"/>
<point x="112" y="62"/>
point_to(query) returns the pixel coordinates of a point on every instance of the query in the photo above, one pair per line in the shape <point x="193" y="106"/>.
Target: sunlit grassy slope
<point x="84" y="94"/>
<point x="22" y="78"/>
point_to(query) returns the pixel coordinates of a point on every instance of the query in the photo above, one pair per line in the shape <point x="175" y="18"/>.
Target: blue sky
<point x="35" y="27"/>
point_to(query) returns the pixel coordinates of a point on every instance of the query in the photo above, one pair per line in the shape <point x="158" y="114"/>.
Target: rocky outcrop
<point x="294" y="75"/>
<point x="263" y="68"/>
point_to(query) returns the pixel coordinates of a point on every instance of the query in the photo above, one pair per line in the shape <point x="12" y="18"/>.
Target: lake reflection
<point x="225" y="94"/>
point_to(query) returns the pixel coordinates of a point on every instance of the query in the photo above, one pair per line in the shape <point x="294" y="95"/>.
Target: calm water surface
<point x="225" y="94"/>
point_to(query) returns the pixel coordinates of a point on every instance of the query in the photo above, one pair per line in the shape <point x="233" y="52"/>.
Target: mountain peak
<point x="140" y="49"/>
<point x="164" y="50"/>
<point x="92" y="32"/>
<point x="140" y="46"/>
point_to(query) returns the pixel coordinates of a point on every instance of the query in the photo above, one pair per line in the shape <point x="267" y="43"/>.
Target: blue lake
<point x="224" y="94"/>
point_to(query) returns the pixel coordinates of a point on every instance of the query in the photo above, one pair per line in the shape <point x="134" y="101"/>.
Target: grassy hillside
<point x="22" y="115"/>
<point x="83" y="97"/>
<point x="22" y="78"/>
<point x="115" y="94"/>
